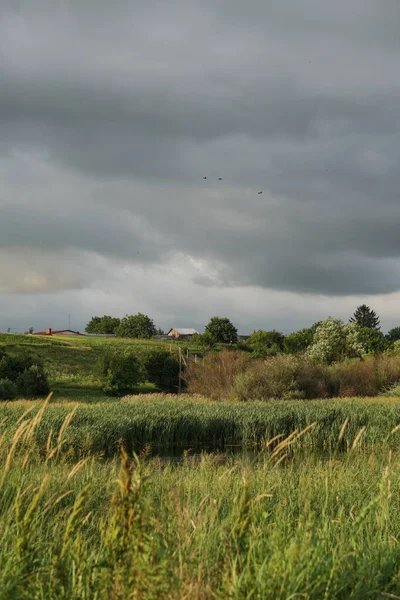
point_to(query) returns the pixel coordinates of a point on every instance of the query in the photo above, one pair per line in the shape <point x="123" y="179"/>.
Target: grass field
<point x="288" y="525"/>
<point x="311" y="511"/>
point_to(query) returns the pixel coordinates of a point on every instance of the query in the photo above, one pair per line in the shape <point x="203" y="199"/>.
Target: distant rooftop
<point x="184" y="331"/>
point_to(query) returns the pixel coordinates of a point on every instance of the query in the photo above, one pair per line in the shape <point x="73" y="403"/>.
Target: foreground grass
<point x="279" y="528"/>
<point x="172" y="422"/>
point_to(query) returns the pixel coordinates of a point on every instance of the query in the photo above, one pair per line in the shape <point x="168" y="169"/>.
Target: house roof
<point x="187" y="331"/>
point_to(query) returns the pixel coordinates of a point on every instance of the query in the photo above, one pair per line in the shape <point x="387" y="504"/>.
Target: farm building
<point x="50" y="331"/>
<point x="176" y="333"/>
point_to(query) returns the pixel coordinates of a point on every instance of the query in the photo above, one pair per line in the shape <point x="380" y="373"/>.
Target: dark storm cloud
<point x="299" y="99"/>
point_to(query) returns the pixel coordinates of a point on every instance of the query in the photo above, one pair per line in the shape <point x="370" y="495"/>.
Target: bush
<point x="213" y="376"/>
<point x="32" y="382"/>
<point x="272" y="378"/>
<point x="121" y="371"/>
<point x="356" y="378"/>
<point x="162" y="369"/>
<point x="8" y="389"/>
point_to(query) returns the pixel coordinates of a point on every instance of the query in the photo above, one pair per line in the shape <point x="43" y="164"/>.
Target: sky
<point x="112" y="114"/>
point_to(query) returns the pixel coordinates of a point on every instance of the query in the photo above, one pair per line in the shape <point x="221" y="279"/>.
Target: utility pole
<point x="69" y="321"/>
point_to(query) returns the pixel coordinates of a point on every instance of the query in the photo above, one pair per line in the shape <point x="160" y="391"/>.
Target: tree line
<point x="220" y="330"/>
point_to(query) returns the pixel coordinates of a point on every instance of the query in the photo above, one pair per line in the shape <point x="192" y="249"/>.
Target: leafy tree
<point x="266" y="343"/>
<point x="29" y="331"/>
<point x="121" y="371"/>
<point x="8" y="389"/>
<point x="334" y="341"/>
<point x="372" y="339"/>
<point x="32" y="382"/>
<point x="26" y="376"/>
<point x="299" y="341"/>
<point x="393" y="335"/>
<point x="162" y="369"/>
<point x="364" y="316"/>
<point x="136" y="326"/>
<point x="105" y="325"/>
<point x="221" y="330"/>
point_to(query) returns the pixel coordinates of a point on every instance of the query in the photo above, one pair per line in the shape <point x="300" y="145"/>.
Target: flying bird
<point x="204" y="177"/>
<point x="260" y="192"/>
<point x="219" y="178"/>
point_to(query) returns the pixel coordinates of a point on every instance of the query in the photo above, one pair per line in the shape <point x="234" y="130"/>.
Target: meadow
<point x="268" y="500"/>
<point x="287" y="524"/>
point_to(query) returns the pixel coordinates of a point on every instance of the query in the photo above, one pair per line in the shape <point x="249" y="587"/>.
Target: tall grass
<point x="182" y="423"/>
<point x="284" y="526"/>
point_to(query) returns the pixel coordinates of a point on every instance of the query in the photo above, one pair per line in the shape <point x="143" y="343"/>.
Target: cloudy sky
<point x="111" y="114"/>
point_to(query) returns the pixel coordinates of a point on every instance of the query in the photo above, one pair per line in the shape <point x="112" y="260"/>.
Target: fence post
<point x="180" y="371"/>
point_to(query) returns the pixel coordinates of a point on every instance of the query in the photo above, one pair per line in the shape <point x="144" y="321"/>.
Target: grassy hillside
<point x="70" y="361"/>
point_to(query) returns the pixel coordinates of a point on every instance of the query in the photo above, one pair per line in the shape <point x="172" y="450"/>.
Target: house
<point x="184" y="334"/>
<point x="50" y="331"/>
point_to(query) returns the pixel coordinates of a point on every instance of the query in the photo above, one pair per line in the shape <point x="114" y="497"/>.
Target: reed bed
<point x="181" y="423"/>
<point x="283" y="526"/>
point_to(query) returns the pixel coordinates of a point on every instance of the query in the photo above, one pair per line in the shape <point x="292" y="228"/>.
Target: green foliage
<point x="393" y="335"/>
<point x="32" y="382"/>
<point x="364" y="316"/>
<point x="103" y="325"/>
<point x="8" y="389"/>
<point x="162" y="369"/>
<point x="372" y="340"/>
<point x="266" y="343"/>
<point x="221" y="330"/>
<point x="273" y="379"/>
<point x="300" y="340"/>
<point x="334" y="341"/>
<point x="136" y="326"/>
<point x="25" y="374"/>
<point x="121" y="371"/>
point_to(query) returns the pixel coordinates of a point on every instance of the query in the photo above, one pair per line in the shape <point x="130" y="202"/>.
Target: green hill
<point x="70" y="361"/>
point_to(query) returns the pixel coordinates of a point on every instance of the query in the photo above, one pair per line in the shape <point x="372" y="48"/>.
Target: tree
<point x="136" y="326"/>
<point x="334" y="341"/>
<point x="266" y="343"/>
<point x="364" y="316"/>
<point x="162" y="369"/>
<point x="105" y="325"/>
<point x="29" y="331"/>
<point x="298" y="341"/>
<point x="372" y="339"/>
<point x="393" y="335"/>
<point x="221" y="330"/>
<point x="121" y="371"/>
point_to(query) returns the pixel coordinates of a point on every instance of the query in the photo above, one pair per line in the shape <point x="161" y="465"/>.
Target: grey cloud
<point x="137" y="104"/>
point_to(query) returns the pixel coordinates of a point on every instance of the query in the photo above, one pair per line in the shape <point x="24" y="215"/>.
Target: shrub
<point x="121" y="371"/>
<point x="356" y="378"/>
<point x="8" y="389"/>
<point x="315" y="381"/>
<point x="32" y="382"/>
<point x="213" y="377"/>
<point x="162" y="369"/>
<point x="272" y="378"/>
